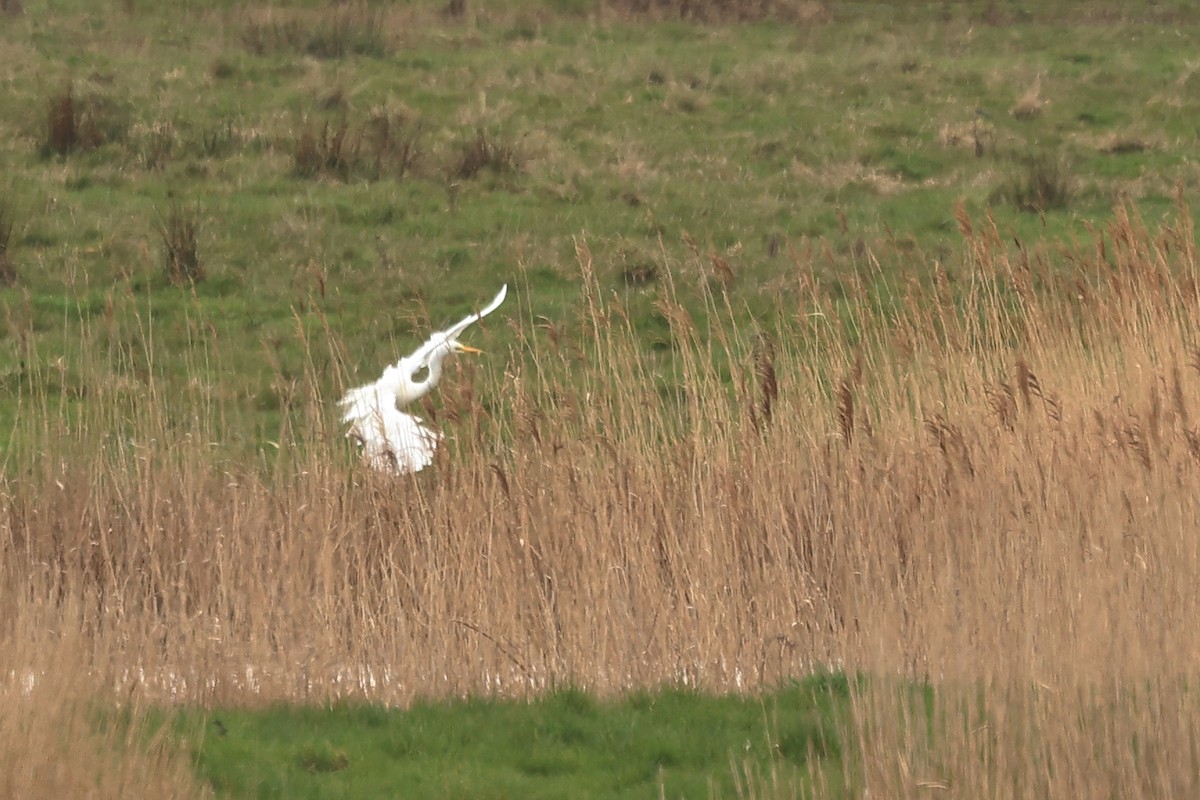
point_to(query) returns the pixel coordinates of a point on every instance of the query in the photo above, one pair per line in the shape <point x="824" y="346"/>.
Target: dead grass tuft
<point x="1041" y="184"/>
<point x="1123" y="144"/>
<point x="792" y="11"/>
<point x="62" y="122"/>
<point x="1029" y="105"/>
<point x="219" y="139"/>
<point x="393" y="144"/>
<point x="768" y="379"/>
<point x="484" y="151"/>
<point x="334" y="32"/>
<point x="385" y="146"/>
<point x="181" y="257"/>
<point x="323" y="152"/>
<point x="81" y="122"/>
<point x="8" y="269"/>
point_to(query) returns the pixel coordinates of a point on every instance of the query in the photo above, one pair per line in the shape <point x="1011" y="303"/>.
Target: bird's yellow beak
<point x="462" y="348"/>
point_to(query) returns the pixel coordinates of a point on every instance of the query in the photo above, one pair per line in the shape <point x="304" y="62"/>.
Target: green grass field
<point x="566" y="744"/>
<point x="216" y="216"/>
<point x="716" y="155"/>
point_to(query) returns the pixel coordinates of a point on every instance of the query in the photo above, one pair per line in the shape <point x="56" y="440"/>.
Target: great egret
<point x="393" y="441"/>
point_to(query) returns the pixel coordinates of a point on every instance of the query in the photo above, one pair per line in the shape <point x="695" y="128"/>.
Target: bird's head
<point x="446" y="348"/>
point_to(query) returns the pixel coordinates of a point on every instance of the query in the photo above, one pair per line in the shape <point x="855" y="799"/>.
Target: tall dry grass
<point x="59" y="735"/>
<point x="991" y="485"/>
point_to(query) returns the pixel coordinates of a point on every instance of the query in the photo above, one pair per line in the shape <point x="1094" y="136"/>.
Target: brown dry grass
<point x="52" y="743"/>
<point x="991" y="486"/>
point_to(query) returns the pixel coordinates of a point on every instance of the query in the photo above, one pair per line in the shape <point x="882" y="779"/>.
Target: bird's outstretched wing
<point x="391" y="440"/>
<point x="421" y="354"/>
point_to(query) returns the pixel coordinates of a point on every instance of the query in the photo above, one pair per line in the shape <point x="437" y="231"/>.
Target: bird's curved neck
<point x="433" y="373"/>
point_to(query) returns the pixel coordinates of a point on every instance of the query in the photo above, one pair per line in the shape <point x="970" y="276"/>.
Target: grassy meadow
<point x="850" y="339"/>
<point x="562" y="744"/>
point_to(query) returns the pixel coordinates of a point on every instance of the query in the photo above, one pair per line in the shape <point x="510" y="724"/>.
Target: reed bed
<point x="989" y="486"/>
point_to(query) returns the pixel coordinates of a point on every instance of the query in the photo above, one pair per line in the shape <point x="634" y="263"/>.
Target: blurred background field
<point x="352" y="169"/>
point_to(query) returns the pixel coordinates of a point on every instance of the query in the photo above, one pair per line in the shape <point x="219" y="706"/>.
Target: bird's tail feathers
<point x="359" y="403"/>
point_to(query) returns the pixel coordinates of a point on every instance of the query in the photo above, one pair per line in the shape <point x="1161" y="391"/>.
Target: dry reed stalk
<point x="51" y="745"/>
<point x="768" y="379"/>
<point x="1025" y="740"/>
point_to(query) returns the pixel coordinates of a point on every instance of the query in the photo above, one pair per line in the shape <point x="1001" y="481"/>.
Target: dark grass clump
<point x="723" y="10"/>
<point x="386" y="146"/>
<point x="158" y="146"/>
<point x="392" y="145"/>
<point x="75" y="122"/>
<point x="222" y="69"/>
<point x="350" y="30"/>
<point x="1043" y="184"/>
<point x="484" y="152"/>
<point x="345" y="30"/>
<point x="266" y="38"/>
<point x="62" y="123"/>
<point x="219" y="140"/>
<point x="640" y="273"/>
<point x="8" y="271"/>
<point x="181" y="255"/>
<point x="323" y="152"/>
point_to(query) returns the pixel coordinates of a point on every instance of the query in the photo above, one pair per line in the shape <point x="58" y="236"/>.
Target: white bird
<point x="392" y="440"/>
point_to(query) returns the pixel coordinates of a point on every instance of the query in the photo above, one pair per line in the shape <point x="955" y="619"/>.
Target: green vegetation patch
<point x="567" y="744"/>
<point x="244" y="165"/>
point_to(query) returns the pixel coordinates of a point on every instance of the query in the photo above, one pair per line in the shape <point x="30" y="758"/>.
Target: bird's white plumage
<point x="392" y="440"/>
<point x="420" y="357"/>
